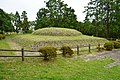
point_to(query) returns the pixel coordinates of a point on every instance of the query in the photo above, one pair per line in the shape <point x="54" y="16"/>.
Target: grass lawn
<point x="4" y="45"/>
<point x="58" y="69"/>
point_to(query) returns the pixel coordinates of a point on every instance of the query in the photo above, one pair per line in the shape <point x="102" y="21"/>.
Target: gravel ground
<point x="114" y="54"/>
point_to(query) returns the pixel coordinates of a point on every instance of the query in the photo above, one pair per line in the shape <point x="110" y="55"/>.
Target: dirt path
<point x="114" y="54"/>
<point x="15" y="46"/>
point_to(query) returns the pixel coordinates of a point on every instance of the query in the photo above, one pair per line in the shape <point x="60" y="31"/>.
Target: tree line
<point x="102" y="18"/>
<point x="14" y="22"/>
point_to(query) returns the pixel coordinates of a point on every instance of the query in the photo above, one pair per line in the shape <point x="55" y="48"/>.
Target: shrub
<point x="28" y="31"/>
<point x="100" y="48"/>
<point x="2" y="36"/>
<point x="109" y="46"/>
<point x="116" y="44"/>
<point x="118" y="41"/>
<point x="67" y="51"/>
<point x="48" y="52"/>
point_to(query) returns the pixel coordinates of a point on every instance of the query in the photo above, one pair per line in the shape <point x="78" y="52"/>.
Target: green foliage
<point x="48" y="52"/>
<point x="28" y="31"/>
<point x="18" y="22"/>
<point x="118" y="41"/>
<point x="57" y="32"/>
<point x="67" y="51"/>
<point x="109" y="46"/>
<point x="5" y="22"/>
<point x="106" y="17"/>
<point x="2" y="36"/>
<point x="55" y="14"/>
<point x="100" y="48"/>
<point x="21" y="22"/>
<point x="25" y="23"/>
<point x="116" y="44"/>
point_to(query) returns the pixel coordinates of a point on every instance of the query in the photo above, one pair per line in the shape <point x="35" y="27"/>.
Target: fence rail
<point x="23" y="51"/>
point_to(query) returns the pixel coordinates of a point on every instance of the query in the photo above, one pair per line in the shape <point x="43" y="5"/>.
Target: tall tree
<point x="105" y="12"/>
<point x="5" y="22"/>
<point x="18" y="22"/>
<point x="56" y="14"/>
<point x="25" y="22"/>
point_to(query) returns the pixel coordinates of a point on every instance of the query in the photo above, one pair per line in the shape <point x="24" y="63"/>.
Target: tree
<point x="56" y="14"/>
<point x="18" y="22"/>
<point x="5" y="22"/>
<point x="103" y="12"/>
<point x="25" y="23"/>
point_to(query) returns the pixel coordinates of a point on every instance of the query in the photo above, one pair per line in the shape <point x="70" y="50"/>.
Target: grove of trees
<point x="105" y="16"/>
<point x="14" y="22"/>
<point x="56" y="14"/>
<point x="102" y="18"/>
<point x="5" y="22"/>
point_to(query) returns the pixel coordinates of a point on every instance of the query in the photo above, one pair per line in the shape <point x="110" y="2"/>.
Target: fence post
<point x="22" y="54"/>
<point x="78" y="50"/>
<point x="98" y="47"/>
<point x="89" y="47"/>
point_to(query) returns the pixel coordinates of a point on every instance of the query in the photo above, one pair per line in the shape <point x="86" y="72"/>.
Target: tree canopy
<point x="56" y="14"/>
<point x="5" y="22"/>
<point x="104" y="13"/>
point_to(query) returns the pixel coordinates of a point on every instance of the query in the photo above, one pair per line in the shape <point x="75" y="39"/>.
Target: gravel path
<point x="114" y="54"/>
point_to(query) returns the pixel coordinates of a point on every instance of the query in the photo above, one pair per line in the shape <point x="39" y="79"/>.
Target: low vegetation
<point x="116" y="44"/>
<point x="59" y="69"/>
<point x="34" y="42"/>
<point x="48" y="52"/>
<point x="109" y="46"/>
<point x="112" y="45"/>
<point x="67" y="51"/>
<point x="2" y="36"/>
<point x="5" y="45"/>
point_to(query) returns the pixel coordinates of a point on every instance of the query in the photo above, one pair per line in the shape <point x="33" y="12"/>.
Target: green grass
<point x="58" y="69"/>
<point x="4" y="45"/>
<point x="28" y="41"/>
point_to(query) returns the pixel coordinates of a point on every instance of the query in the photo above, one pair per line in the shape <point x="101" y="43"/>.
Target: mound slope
<point x="34" y="42"/>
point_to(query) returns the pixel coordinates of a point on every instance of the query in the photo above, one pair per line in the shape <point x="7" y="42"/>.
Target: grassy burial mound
<point x="56" y="37"/>
<point x="57" y="32"/>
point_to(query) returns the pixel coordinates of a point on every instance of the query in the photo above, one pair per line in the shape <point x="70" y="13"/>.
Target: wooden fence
<point x="23" y="51"/>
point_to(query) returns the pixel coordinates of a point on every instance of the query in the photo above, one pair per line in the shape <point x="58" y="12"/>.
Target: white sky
<point x="32" y="7"/>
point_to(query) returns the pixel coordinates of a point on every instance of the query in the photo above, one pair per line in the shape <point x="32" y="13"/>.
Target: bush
<point x="48" y="52"/>
<point x="109" y="46"/>
<point x="67" y="51"/>
<point x="118" y="41"/>
<point x="116" y="44"/>
<point x="28" y="31"/>
<point x="2" y="36"/>
<point x="100" y="48"/>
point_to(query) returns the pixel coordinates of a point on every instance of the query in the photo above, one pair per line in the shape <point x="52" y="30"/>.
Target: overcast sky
<point x="32" y="7"/>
